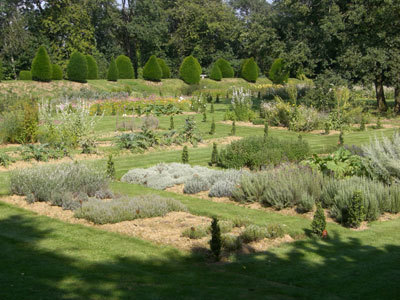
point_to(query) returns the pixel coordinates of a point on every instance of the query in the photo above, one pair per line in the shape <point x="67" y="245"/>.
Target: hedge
<point x="112" y="74"/>
<point x="166" y="72"/>
<point x="190" y="70"/>
<point x="41" y="66"/>
<point x="277" y="72"/>
<point x="93" y="70"/>
<point x="226" y="68"/>
<point x="125" y="68"/>
<point x="250" y="70"/>
<point x="152" y="71"/>
<point x="216" y="73"/>
<point x="25" y="75"/>
<point x="57" y="72"/>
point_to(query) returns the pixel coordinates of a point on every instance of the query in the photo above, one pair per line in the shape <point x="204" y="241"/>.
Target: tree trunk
<point x="380" y="94"/>
<point x="397" y="99"/>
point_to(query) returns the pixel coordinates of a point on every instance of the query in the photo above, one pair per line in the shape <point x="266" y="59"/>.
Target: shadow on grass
<point x="310" y="269"/>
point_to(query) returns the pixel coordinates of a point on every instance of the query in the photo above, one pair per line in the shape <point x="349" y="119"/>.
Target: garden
<point x="129" y="173"/>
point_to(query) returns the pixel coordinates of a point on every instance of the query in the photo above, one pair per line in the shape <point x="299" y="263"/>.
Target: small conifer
<point x="171" y="123"/>
<point x="216" y="241"/>
<point x="318" y="224"/>
<point x="185" y="155"/>
<point x="110" y="167"/>
<point x="212" y="129"/>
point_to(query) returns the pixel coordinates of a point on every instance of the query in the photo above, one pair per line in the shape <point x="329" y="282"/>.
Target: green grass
<point x="43" y="258"/>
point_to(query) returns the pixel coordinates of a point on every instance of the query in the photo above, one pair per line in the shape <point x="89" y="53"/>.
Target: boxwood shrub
<point x="152" y="70"/>
<point x="25" y="75"/>
<point x="216" y="73"/>
<point x="77" y="69"/>
<point x="190" y="70"/>
<point x="125" y="68"/>
<point x="226" y="68"/>
<point x="250" y="70"/>
<point x="57" y="72"/>
<point x="41" y="66"/>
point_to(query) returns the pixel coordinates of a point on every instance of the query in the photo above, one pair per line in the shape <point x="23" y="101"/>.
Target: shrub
<point x="241" y="105"/>
<point x="185" y="155"/>
<point x="125" y="68"/>
<point x="214" y="155"/>
<point x="265" y="130"/>
<point x="51" y="183"/>
<point x="41" y="66"/>
<point x="318" y="224"/>
<point x="306" y="203"/>
<point x="216" y="240"/>
<point x="112" y="74"/>
<point x="152" y="70"/>
<point x="212" y="128"/>
<point x="57" y="72"/>
<point x="356" y="210"/>
<point x="171" y="123"/>
<point x="150" y="122"/>
<point x="253" y="233"/>
<point x="41" y="152"/>
<point x="127" y="209"/>
<point x="215" y="73"/>
<point x="233" y="129"/>
<point x="222" y="188"/>
<point x="243" y="62"/>
<point x="93" y="72"/>
<point x="166" y="72"/>
<point x="189" y="70"/>
<point x="110" y="167"/>
<point x="255" y="152"/>
<point x="278" y="73"/>
<point x="231" y="243"/>
<point x="275" y="231"/>
<point x="250" y="70"/>
<point x="279" y="187"/>
<point x="77" y="69"/>
<point x="225" y="68"/>
<point x="196" y="185"/>
<point x="195" y="233"/>
<point x="5" y="160"/>
<point x="25" y="75"/>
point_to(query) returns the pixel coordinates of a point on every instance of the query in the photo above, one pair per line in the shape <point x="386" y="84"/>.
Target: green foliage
<point x="127" y="209"/>
<point x="93" y="72"/>
<point x="212" y="110"/>
<point x="214" y="155"/>
<point x="233" y="129"/>
<point x="340" y="164"/>
<point x="379" y="123"/>
<point x="250" y="70"/>
<point x="185" y="155"/>
<point x="125" y="68"/>
<point x="356" y="210"/>
<point x="190" y="70"/>
<point x="25" y="75"/>
<point x="265" y="130"/>
<point x="215" y="73"/>
<point x="255" y="152"/>
<point x="280" y="187"/>
<point x="231" y="242"/>
<point x="204" y="116"/>
<point x="152" y="71"/>
<point x="241" y="106"/>
<point x="171" y="123"/>
<point x="77" y="69"/>
<point x="40" y="152"/>
<point x="5" y="160"/>
<point x="341" y="138"/>
<point x="253" y="233"/>
<point x="196" y="184"/>
<point x="318" y="224"/>
<point x="216" y="240"/>
<point x="57" y="72"/>
<point x="110" y="167"/>
<point x="112" y="74"/>
<point x="225" y="68"/>
<point x="1" y="70"/>
<point x="195" y="233"/>
<point x="362" y="123"/>
<point x="212" y="129"/>
<point x="41" y="66"/>
<point x="166" y="72"/>
<point x="278" y="73"/>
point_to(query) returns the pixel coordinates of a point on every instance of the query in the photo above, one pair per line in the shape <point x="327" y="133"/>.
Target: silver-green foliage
<point x="127" y="209"/>
<point x="280" y="187"/>
<point x="382" y="158"/>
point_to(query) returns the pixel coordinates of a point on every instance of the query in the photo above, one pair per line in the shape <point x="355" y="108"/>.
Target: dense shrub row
<point x="258" y="152"/>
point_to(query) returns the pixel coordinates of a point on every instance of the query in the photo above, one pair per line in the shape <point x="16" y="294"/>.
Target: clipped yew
<point x="226" y="68"/>
<point x="216" y="73"/>
<point x="93" y="70"/>
<point x="190" y="70"/>
<point x="25" y="75"/>
<point x="77" y="68"/>
<point x="278" y="73"/>
<point x="41" y="66"/>
<point x="125" y="68"/>
<point x="57" y="72"/>
<point x="166" y="72"/>
<point x="112" y="74"/>
<point x="250" y="70"/>
<point x="152" y="70"/>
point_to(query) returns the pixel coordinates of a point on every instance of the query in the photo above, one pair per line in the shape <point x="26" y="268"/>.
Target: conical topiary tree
<point x="125" y="68"/>
<point x="318" y="224"/>
<point x="41" y="66"/>
<point x="152" y="70"/>
<point x="57" y="72"/>
<point x="278" y="73"/>
<point x="189" y="71"/>
<point x="25" y="75"/>
<point x="226" y="68"/>
<point x="216" y="73"/>
<point x="112" y="74"/>
<point x="244" y="61"/>
<point x="250" y="71"/>
<point x="93" y="70"/>
<point x="166" y="72"/>
<point x="77" y="68"/>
